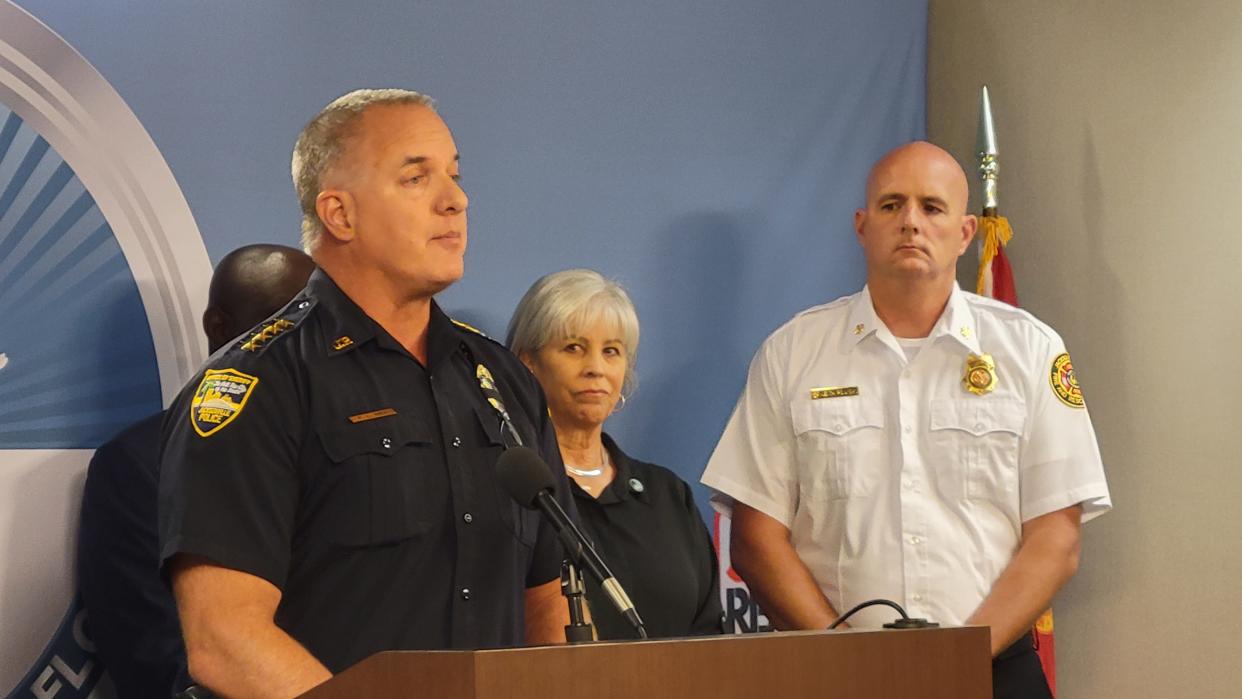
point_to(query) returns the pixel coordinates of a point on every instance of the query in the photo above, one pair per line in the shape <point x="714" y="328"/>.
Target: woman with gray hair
<point x="578" y="334"/>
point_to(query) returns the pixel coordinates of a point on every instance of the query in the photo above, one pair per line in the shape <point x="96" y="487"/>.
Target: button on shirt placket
<point x="912" y="472"/>
<point x="446" y="383"/>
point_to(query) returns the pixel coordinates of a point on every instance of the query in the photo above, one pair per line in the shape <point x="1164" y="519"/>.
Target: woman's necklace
<point x="591" y="472"/>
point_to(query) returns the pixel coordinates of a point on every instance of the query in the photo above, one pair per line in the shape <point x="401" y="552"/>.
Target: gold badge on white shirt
<point x="980" y="376"/>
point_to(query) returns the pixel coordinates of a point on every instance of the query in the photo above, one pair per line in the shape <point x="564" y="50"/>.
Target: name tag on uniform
<point x="373" y="415"/>
<point x="833" y="392"/>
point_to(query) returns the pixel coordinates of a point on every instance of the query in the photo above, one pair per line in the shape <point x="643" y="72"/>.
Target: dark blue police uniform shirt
<point x="131" y="615"/>
<point x="318" y="454"/>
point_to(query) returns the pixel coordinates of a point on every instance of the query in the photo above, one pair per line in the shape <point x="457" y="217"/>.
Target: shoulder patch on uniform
<point x="219" y="398"/>
<point x="467" y="326"/>
<point x="1064" y="382"/>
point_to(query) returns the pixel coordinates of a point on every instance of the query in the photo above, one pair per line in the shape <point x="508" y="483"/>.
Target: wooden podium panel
<point x="949" y="663"/>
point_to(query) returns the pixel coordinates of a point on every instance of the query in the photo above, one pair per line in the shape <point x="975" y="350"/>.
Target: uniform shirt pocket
<point x="521" y="522"/>
<point x="840" y="444"/>
<point x="984" y="436"/>
<point x="386" y="481"/>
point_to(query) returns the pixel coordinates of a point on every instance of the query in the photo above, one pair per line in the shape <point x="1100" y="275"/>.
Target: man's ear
<point x="860" y="217"/>
<point x="216" y="324"/>
<point x="336" y="210"/>
<point x="970" y="224"/>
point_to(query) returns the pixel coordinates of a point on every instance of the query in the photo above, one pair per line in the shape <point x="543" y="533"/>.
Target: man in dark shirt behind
<point x="133" y="618"/>
<point x="328" y="487"/>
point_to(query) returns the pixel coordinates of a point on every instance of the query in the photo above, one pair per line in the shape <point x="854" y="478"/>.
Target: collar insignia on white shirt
<point x="858" y="329"/>
<point x="965" y="331"/>
<point x="980" y="377"/>
<point x="833" y="392"/>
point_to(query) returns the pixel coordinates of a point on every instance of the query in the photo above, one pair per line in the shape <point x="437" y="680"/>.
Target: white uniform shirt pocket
<point x="840" y="443"/>
<point x="983" y="437"/>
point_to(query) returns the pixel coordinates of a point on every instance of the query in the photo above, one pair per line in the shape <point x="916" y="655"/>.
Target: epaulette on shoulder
<point x="467" y="326"/>
<point x="261" y="337"/>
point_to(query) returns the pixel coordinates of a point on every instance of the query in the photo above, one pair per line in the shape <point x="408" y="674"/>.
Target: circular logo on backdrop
<point x="101" y="274"/>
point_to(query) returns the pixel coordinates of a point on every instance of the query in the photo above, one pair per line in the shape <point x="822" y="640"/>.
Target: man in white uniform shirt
<point x="912" y="442"/>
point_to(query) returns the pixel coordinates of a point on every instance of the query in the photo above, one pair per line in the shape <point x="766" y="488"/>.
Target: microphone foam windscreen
<point x="523" y="474"/>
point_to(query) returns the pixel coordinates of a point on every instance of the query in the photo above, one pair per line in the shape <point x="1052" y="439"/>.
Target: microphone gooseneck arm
<point x="581" y="552"/>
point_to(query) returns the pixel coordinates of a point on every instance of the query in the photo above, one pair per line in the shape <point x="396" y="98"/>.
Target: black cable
<point x="864" y="605"/>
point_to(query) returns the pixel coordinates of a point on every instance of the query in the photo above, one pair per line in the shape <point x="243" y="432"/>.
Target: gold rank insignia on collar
<point x="858" y="329"/>
<point x="269" y="331"/>
<point x="341" y="343"/>
<point x="980" y="376"/>
<point x="833" y="392"/>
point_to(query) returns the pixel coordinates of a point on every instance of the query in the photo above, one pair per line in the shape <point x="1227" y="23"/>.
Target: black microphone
<point x="528" y="480"/>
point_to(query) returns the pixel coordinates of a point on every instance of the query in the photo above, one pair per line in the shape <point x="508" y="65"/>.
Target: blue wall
<point x="709" y="154"/>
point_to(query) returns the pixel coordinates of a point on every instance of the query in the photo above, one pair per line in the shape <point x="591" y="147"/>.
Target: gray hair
<point x="321" y="142"/>
<point x="560" y="304"/>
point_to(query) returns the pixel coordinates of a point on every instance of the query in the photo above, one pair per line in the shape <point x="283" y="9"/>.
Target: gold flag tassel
<point x="996" y="233"/>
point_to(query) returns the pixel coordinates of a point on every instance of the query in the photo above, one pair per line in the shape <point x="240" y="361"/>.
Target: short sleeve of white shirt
<point x="754" y="461"/>
<point x="1060" y="464"/>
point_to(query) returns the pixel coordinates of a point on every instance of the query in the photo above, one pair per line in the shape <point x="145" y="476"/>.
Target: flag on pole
<point x="995" y="275"/>
<point x="995" y="280"/>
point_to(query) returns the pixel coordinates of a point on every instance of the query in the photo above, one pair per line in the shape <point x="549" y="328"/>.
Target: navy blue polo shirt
<point x="318" y="454"/>
<point x="648" y="530"/>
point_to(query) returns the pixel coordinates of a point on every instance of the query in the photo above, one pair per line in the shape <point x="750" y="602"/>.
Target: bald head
<point x="250" y="284"/>
<point x="924" y="162"/>
<point x="914" y="226"/>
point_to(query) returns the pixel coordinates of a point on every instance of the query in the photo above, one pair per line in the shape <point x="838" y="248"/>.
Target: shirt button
<point x="386" y="442"/>
<point x="304" y="304"/>
<point x="456" y="442"/>
<point x="906" y="429"/>
<point x="467" y="518"/>
<point x="918" y="598"/>
<point x="909" y="483"/>
<point x="915" y="540"/>
<point x="465" y="593"/>
<point x="838" y="427"/>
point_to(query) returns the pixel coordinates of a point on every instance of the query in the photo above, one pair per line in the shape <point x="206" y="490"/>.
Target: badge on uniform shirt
<point x="485" y="378"/>
<point x="980" y="377"/>
<point x="219" y="398"/>
<point x="1064" y="382"/>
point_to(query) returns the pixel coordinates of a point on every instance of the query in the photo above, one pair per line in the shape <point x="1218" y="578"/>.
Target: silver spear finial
<point x="989" y="165"/>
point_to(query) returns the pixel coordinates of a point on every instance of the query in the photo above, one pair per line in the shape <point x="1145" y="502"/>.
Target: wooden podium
<point x="928" y="663"/>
